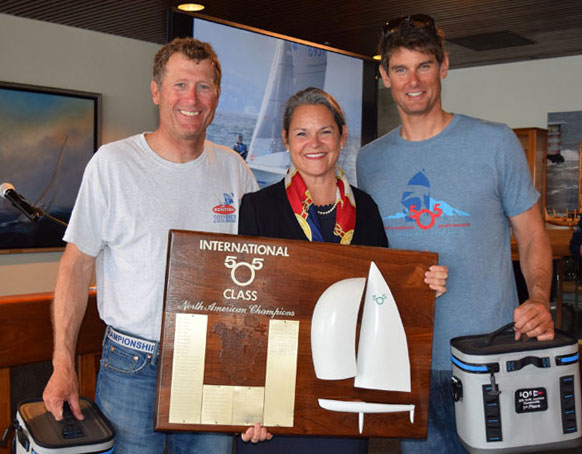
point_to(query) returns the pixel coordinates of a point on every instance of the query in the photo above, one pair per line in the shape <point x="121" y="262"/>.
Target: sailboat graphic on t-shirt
<point x="420" y="208"/>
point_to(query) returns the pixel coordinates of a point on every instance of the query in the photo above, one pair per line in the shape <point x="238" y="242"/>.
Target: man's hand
<point x="256" y="434"/>
<point x="533" y="319"/>
<point x="62" y="387"/>
<point x="436" y="278"/>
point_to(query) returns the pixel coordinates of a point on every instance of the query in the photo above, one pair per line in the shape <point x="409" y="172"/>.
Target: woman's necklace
<point x="323" y="213"/>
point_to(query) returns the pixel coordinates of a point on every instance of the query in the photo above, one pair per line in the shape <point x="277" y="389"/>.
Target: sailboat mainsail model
<point x="382" y="361"/>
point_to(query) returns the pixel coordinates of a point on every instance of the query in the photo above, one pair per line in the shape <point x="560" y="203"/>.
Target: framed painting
<point x="47" y="136"/>
<point x="564" y="163"/>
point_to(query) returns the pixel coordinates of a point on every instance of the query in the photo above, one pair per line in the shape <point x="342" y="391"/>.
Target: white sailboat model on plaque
<point x="382" y="362"/>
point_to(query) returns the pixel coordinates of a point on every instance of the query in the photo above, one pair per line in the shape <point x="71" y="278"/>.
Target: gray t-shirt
<point x="453" y="194"/>
<point x="129" y="198"/>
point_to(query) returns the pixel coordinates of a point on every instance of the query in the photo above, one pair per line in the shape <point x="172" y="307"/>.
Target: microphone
<point x="7" y="192"/>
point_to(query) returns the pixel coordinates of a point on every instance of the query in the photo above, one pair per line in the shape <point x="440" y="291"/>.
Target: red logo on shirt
<point x="224" y="209"/>
<point x="416" y="215"/>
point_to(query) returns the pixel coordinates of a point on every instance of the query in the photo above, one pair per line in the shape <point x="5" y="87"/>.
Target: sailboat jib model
<point x="382" y="361"/>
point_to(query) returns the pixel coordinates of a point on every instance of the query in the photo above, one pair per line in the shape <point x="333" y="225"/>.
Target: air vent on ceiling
<point x="492" y="41"/>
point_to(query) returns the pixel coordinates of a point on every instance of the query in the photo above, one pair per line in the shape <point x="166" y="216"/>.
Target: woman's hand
<point x="255" y="434"/>
<point x="436" y="278"/>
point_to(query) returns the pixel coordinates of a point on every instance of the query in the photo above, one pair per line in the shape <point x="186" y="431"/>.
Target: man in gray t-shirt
<point x="133" y="191"/>
<point x="454" y="185"/>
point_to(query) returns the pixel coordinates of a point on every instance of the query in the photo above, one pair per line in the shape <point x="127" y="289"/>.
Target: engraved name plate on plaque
<point x="237" y="344"/>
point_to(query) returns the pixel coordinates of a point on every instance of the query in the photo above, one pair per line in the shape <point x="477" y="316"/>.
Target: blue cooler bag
<point x="513" y="396"/>
<point x="37" y="431"/>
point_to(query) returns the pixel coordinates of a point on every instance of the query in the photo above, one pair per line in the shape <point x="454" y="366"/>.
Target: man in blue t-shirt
<point x="454" y="185"/>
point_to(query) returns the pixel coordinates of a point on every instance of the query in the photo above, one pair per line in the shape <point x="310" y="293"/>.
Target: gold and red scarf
<point x="306" y="213"/>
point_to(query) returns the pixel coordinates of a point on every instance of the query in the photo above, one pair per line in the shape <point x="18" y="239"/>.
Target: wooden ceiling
<point x="554" y="26"/>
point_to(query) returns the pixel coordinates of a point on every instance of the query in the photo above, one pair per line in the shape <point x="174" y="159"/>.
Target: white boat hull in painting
<point x="382" y="359"/>
<point x="270" y="168"/>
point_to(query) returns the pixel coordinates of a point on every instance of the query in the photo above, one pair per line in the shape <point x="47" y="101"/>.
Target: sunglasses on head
<point x="413" y="21"/>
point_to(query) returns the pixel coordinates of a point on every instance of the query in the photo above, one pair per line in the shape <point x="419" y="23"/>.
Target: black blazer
<point x="268" y="213"/>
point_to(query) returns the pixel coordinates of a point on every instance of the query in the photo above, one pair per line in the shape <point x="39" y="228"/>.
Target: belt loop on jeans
<point x="133" y="342"/>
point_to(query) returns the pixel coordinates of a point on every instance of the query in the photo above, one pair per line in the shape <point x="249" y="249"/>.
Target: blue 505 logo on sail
<point x="379" y="299"/>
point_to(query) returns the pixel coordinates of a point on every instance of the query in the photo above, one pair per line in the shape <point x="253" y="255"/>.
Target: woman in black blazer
<point x="268" y="213"/>
<point x="315" y="202"/>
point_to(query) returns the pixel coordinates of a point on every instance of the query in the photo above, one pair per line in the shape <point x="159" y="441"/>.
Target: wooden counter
<point x="27" y="337"/>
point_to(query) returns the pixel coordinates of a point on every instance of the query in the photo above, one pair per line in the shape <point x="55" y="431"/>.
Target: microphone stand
<point x="30" y="211"/>
<point x="52" y="218"/>
<point x="39" y="213"/>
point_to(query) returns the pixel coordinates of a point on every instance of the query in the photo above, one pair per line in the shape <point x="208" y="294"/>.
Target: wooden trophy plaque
<point x="236" y="344"/>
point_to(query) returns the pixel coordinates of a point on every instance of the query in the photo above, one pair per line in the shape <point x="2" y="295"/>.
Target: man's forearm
<point x="535" y="258"/>
<point x="70" y="304"/>
<point x="535" y="253"/>
<point x="533" y="318"/>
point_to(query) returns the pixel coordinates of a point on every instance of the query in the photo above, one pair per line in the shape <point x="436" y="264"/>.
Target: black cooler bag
<point x="513" y="396"/>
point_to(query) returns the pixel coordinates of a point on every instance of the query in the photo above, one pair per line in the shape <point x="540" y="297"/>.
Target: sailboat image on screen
<point x="382" y="362"/>
<point x="294" y="67"/>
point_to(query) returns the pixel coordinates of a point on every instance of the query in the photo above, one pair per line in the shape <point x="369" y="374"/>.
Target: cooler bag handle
<point x="497" y="332"/>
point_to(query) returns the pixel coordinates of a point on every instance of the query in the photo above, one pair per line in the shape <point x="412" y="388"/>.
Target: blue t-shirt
<point x="453" y="194"/>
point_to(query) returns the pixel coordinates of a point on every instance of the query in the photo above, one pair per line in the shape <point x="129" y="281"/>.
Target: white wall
<point x="519" y="94"/>
<point x="39" y="53"/>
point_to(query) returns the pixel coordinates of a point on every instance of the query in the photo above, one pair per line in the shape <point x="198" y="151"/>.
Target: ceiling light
<point x="377" y="57"/>
<point x="191" y="7"/>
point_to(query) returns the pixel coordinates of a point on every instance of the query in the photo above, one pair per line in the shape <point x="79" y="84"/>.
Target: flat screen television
<point x="260" y="71"/>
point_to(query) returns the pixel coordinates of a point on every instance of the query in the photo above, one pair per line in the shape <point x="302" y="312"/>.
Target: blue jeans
<point x="126" y="394"/>
<point x="442" y="429"/>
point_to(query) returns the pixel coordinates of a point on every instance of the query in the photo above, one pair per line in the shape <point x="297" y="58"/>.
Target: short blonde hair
<point x="191" y="48"/>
